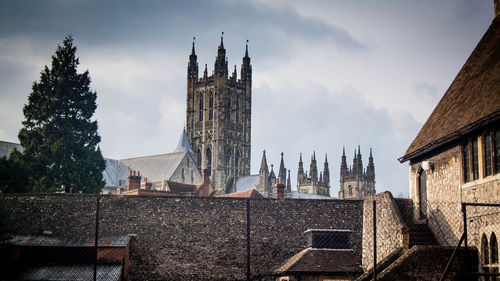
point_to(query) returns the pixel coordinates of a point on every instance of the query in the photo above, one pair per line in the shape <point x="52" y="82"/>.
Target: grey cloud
<point x="328" y="122"/>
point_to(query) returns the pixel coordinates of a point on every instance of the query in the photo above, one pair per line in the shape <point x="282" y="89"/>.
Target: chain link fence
<point x="83" y="237"/>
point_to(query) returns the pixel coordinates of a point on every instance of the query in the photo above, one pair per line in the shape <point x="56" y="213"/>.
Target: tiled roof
<point x="49" y="241"/>
<point x="251" y="193"/>
<point x="181" y="187"/>
<point x="472" y="100"/>
<point x="108" y="272"/>
<point x="322" y="261"/>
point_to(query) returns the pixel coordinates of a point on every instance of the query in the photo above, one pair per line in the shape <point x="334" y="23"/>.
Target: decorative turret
<point x="192" y="70"/>
<point x="205" y="73"/>
<point x="300" y="171"/>
<point x="264" y="187"/>
<point x="313" y="171"/>
<point x="370" y="169"/>
<point x="288" y="185"/>
<point x="246" y="67"/>
<point x="326" y="172"/>
<point x="220" y="66"/>
<point x="263" y="164"/>
<point x="343" y="165"/>
<point x="282" y="171"/>
<point x="235" y="75"/>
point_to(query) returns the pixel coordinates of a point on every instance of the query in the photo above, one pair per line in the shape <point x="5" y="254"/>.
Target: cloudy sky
<point x="326" y="74"/>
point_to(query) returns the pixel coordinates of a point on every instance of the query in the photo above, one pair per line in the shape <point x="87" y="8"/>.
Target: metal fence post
<point x="96" y="235"/>
<point x="374" y="240"/>
<point x="248" y="239"/>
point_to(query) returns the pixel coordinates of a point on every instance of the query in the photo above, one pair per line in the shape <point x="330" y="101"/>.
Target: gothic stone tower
<point x="356" y="183"/>
<point x="218" y="117"/>
<point x="313" y="184"/>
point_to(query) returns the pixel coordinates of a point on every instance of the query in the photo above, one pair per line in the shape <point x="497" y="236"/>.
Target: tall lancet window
<point x="209" y="160"/>
<point x="211" y="107"/>
<point x="200" y="109"/>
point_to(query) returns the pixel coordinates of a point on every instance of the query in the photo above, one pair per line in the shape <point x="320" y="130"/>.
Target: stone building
<point x="455" y="157"/>
<point x="314" y="183"/>
<point x="454" y="182"/>
<point x="218" y="117"/>
<point x="177" y="166"/>
<point x="355" y="181"/>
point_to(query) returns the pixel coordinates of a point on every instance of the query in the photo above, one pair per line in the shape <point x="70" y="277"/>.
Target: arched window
<point x="494" y="248"/>
<point x="198" y="160"/>
<point x="422" y="193"/>
<point x="192" y="176"/>
<point x="211" y="107"/>
<point x="350" y="190"/>
<point x="485" y="254"/>
<point x="209" y="160"/>
<point x="236" y="163"/>
<point x="182" y="172"/>
<point x="200" y="109"/>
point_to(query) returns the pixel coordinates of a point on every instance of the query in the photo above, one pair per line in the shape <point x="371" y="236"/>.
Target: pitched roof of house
<point x="181" y="187"/>
<point x="251" y="193"/>
<point x="472" y="100"/>
<point x="322" y="261"/>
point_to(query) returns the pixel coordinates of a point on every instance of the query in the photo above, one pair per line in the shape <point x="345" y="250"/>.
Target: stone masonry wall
<point x="390" y="228"/>
<point x="189" y="238"/>
<point x="445" y="192"/>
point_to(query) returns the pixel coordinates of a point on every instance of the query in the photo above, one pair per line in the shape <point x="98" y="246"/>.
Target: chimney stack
<point x="279" y="189"/>
<point x="146" y="185"/>
<point x="133" y="181"/>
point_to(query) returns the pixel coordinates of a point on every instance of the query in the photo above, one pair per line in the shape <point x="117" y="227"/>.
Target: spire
<point x="246" y="67"/>
<point x="288" y="184"/>
<point x="183" y="144"/>
<point x="192" y="70"/>
<point x="205" y="73"/>
<point x="371" y="153"/>
<point x="343" y="151"/>
<point x="282" y="171"/>
<point x="192" y="50"/>
<point x="220" y="67"/>
<point x="246" y="50"/>
<point x="263" y="164"/>
<point x="326" y="158"/>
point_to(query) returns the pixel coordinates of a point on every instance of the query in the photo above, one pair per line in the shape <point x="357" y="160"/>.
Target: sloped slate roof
<point x="49" y="241"/>
<point x="114" y="172"/>
<point x="6" y="148"/>
<point x="472" y="100"/>
<point x="247" y="182"/>
<point x="156" y="167"/>
<point x="322" y="261"/>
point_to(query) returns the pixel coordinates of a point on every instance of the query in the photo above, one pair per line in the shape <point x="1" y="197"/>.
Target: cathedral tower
<point x="218" y="117"/>
<point x="356" y="183"/>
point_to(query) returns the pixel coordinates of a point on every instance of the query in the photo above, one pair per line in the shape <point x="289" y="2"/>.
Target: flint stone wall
<point x="189" y="238"/>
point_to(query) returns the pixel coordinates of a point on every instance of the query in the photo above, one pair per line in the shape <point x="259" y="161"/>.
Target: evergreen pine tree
<point x="59" y="138"/>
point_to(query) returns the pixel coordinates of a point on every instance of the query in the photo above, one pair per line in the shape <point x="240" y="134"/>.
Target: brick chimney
<point x="146" y="185"/>
<point x="205" y="182"/>
<point x="133" y="180"/>
<point x="279" y="189"/>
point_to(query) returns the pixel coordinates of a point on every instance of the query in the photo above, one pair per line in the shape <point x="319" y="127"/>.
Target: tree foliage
<point x="59" y="138"/>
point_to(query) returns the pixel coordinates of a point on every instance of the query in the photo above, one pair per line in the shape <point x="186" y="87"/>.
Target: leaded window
<point x="475" y="160"/>
<point x="488" y="167"/>
<point x="466" y="157"/>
